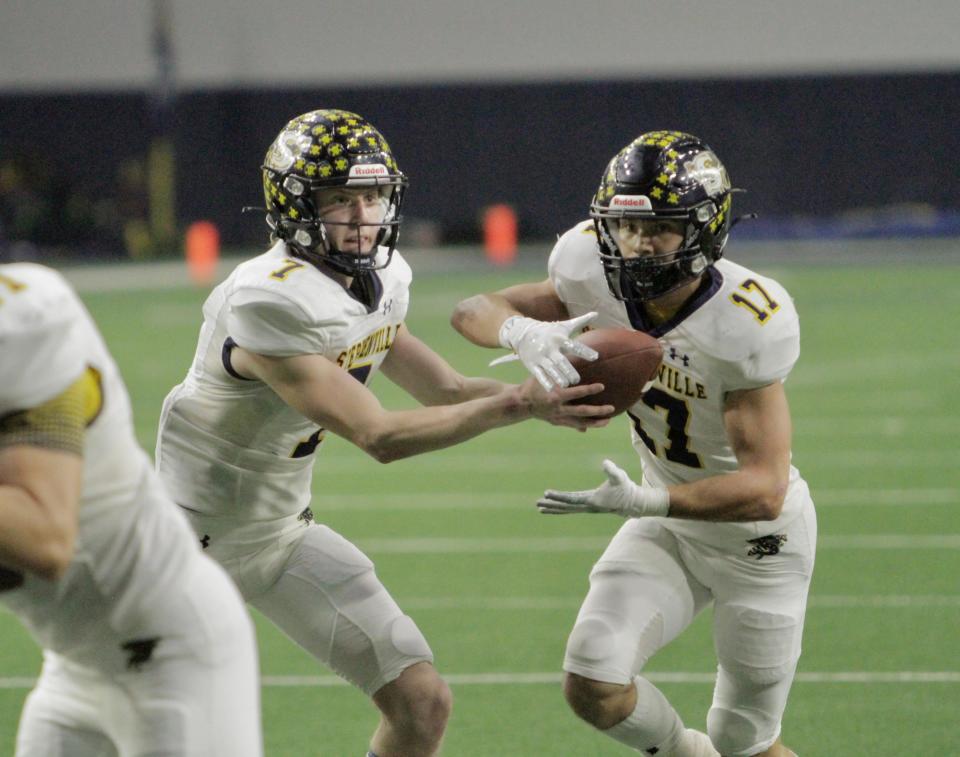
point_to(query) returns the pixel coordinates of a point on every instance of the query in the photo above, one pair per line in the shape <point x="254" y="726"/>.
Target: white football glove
<point x="540" y="346"/>
<point x="618" y="495"/>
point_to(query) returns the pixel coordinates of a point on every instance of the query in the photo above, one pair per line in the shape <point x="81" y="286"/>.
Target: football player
<point x="148" y="648"/>
<point x="289" y="344"/>
<point x="721" y="516"/>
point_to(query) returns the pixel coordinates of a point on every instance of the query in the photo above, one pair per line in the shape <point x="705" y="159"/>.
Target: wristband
<point x="511" y="331"/>
<point x="649" y="501"/>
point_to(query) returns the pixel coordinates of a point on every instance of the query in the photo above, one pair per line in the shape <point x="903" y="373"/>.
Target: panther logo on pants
<point x="766" y="546"/>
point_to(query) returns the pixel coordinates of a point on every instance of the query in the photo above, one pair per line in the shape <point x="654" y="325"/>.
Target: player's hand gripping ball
<point x="628" y="362"/>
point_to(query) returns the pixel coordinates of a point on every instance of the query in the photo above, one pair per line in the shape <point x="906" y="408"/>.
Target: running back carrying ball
<point x="628" y="361"/>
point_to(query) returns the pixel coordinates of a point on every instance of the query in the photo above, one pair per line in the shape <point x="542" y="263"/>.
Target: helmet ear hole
<point x="294" y="186"/>
<point x="705" y="212"/>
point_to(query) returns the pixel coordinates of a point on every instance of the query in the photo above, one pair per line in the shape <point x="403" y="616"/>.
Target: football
<point x="628" y="361"/>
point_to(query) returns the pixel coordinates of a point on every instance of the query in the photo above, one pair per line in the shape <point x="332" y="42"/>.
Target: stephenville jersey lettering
<point x="231" y="447"/>
<point x="129" y="544"/>
<point x="739" y="331"/>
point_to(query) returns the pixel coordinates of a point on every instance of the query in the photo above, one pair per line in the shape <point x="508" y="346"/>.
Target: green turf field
<point x="495" y="586"/>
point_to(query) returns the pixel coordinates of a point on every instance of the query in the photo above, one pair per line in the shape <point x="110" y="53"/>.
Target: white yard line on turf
<point x="844" y="601"/>
<point x="502" y="500"/>
<point x="891" y="426"/>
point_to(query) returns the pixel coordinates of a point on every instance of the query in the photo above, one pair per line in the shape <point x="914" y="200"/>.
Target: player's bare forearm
<point x="742" y="496"/>
<point x="25" y="542"/>
<point x="758" y="425"/>
<point x="463" y="389"/>
<point x="396" y="435"/>
<point x="425" y="375"/>
<point x="479" y="318"/>
<point x="326" y="394"/>
<point x="39" y="493"/>
<point x="471" y="388"/>
<point x="401" y="434"/>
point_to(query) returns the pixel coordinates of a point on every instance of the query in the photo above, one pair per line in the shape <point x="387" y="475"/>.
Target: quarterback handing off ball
<point x="628" y="362"/>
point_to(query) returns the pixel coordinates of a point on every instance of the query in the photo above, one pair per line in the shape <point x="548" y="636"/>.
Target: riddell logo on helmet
<point x="630" y="202"/>
<point x="377" y="169"/>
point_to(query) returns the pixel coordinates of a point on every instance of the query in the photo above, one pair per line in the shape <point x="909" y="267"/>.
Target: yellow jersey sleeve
<point x="59" y="422"/>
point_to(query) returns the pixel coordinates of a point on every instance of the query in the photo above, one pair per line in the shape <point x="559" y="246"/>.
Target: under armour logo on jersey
<point x="205" y="541"/>
<point x="766" y="546"/>
<point x="674" y="355"/>
<point x="387" y="306"/>
<point x="140" y="650"/>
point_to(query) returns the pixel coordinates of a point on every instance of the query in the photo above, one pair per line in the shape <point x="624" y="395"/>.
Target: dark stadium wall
<point x="807" y="148"/>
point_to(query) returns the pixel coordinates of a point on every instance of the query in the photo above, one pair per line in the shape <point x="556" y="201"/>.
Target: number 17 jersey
<point x="738" y="331"/>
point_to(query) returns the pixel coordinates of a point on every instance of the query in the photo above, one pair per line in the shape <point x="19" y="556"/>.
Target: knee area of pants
<point x="737" y="734"/>
<point x="592" y="639"/>
<point x="407" y="638"/>
<point x="759" y="647"/>
<point x="759" y="676"/>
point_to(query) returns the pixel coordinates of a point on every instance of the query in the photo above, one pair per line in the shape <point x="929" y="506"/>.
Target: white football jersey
<point x="232" y="447"/>
<point x="739" y="331"/>
<point x="132" y="544"/>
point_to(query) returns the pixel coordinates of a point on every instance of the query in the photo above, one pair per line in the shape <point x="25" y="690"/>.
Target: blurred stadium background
<point x="123" y="123"/>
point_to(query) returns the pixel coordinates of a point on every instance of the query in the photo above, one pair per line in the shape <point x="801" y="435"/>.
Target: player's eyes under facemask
<point x="342" y="209"/>
<point x="636" y="237"/>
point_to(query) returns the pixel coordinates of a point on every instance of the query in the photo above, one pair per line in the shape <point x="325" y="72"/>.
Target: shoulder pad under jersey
<point x="42" y="351"/>
<point x="750" y="326"/>
<point x="575" y="263"/>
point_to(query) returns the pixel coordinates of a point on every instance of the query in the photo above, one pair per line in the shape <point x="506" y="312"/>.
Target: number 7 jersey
<point x="738" y="331"/>
<point x="231" y="447"/>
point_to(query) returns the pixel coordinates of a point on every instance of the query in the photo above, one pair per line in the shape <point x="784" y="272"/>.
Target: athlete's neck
<point x="662" y="309"/>
<point x="341" y="278"/>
